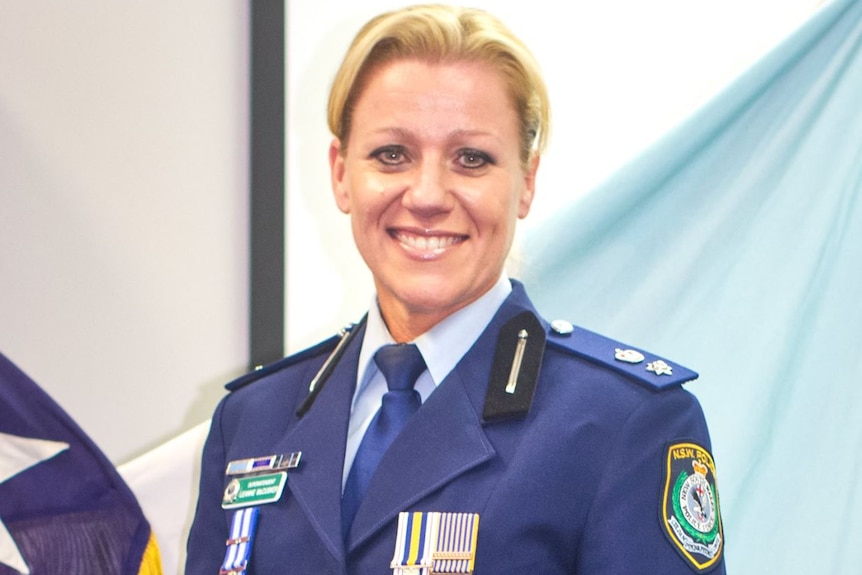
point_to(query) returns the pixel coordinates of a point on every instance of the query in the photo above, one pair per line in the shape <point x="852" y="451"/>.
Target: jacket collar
<point x="320" y="435"/>
<point x="450" y="421"/>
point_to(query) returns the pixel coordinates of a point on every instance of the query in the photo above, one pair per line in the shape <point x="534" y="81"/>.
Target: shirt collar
<point x="444" y="344"/>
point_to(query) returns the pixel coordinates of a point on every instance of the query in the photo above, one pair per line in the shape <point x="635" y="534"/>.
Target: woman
<point x="537" y="448"/>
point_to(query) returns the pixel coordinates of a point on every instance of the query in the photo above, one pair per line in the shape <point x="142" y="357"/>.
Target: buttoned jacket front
<point x="573" y="486"/>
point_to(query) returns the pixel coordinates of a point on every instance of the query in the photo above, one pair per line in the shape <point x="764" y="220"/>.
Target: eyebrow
<point x="408" y="134"/>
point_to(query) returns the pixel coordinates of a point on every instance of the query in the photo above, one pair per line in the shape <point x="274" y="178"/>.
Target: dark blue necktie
<point x="401" y="365"/>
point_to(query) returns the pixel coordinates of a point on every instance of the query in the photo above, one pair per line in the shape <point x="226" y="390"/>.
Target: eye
<point x="473" y="159"/>
<point x="390" y="155"/>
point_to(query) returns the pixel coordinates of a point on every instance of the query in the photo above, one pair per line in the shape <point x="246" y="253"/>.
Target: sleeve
<point x="206" y="543"/>
<point x="657" y="509"/>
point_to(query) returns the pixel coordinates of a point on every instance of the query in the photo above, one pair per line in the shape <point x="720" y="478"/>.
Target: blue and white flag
<point x="64" y="509"/>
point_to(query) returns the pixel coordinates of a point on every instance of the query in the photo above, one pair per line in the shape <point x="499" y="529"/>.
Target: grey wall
<point x="123" y="209"/>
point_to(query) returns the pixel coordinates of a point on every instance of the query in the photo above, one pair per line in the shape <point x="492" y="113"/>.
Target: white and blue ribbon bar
<point x="239" y="545"/>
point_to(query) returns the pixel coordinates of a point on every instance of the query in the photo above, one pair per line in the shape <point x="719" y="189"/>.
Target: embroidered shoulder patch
<point x="690" y="511"/>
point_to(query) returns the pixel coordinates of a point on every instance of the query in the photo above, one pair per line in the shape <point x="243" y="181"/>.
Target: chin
<point x="430" y="298"/>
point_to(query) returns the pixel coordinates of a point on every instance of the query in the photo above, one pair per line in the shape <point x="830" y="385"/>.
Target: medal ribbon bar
<point x="239" y="545"/>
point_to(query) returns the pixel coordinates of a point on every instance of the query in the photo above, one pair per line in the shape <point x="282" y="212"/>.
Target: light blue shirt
<point x="442" y="347"/>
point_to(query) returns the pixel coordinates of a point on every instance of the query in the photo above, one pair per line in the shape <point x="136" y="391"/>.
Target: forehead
<point x="466" y="95"/>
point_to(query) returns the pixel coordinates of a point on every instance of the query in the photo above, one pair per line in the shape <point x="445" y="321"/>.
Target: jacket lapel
<point x="447" y="431"/>
<point x="320" y="435"/>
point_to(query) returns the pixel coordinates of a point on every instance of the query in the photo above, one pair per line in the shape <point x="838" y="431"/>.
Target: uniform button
<point x="562" y="327"/>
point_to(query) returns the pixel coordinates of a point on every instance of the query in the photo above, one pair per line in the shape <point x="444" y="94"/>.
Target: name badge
<point x="254" y="490"/>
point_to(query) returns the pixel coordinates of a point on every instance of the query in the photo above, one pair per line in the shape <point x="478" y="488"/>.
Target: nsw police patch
<point x="690" y="509"/>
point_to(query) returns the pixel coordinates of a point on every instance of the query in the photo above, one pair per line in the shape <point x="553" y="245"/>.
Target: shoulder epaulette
<point x="516" y="367"/>
<point x="645" y="368"/>
<point x="326" y="346"/>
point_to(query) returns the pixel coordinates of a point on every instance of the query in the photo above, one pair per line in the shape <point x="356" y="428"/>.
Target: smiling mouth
<point x="428" y="242"/>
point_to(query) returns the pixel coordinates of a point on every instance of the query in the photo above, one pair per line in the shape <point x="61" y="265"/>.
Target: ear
<point x="529" y="188"/>
<point x="337" y="173"/>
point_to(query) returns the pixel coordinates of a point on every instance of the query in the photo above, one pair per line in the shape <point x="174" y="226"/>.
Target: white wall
<point x="123" y="175"/>
<point x="620" y="74"/>
<point x="123" y="209"/>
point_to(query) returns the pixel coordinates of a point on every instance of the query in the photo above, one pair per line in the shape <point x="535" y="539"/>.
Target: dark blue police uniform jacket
<point x="586" y="476"/>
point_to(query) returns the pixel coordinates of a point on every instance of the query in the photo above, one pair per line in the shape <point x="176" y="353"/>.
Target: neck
<point x="407" y="322"/>
<point x="405" y="326"/>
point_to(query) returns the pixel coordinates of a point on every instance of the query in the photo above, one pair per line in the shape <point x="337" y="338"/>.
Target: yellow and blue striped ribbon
<point x="415" y="542"/>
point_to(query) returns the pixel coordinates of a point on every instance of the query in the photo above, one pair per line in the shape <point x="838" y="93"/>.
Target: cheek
<point x="370" y="191"/>
<point x="489" y="202"/>
<point x="370" y="199"/>
<point x="505" y="207"/>
<point x="487" y="217"/>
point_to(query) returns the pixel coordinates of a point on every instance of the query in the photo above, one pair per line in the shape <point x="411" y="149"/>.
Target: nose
<point x="429" y="192"/>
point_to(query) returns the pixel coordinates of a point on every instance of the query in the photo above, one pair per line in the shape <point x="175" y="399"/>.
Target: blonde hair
<point x="439" y="33"/>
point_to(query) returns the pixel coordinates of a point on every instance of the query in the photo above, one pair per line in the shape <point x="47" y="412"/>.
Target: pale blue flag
<point x="734" y="246"/>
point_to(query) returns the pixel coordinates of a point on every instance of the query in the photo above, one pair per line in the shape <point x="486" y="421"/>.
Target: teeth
<point x="429" y="243"/>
